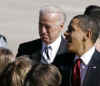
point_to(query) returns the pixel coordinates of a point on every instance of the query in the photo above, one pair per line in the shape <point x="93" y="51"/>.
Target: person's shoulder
<point x="33" y="42"/>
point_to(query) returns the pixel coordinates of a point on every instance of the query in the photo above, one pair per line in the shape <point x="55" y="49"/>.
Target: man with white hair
<point x="51" y="47"/>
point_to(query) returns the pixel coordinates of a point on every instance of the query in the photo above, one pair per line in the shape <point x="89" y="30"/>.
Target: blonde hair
<point x="16" y="72"/>
<point x="6" y="57"/>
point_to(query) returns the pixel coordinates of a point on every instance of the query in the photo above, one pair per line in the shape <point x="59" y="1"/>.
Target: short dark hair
<point x="16" y="72"/>
<point x="91" y="9"/>
<point x="86" y="23"/>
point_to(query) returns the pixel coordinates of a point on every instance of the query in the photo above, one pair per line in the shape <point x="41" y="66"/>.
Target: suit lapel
<point x="37" y="53"/>
<point x="62" y="47"/>
<point x="71" y="74"/>
<point x="92" y="71"/>
<point x="59" y="58"/>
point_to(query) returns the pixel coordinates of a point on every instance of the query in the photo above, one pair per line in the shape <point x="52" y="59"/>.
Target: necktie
<point x="46" y="55"/>
<point x="47" y="52"/>
<point x="76" y="81"/>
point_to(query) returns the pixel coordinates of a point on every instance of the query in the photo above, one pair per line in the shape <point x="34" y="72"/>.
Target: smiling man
<point x="82" y="34"/>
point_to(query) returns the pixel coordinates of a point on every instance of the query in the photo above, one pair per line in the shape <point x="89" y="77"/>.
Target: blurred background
<point x="19" y="18"/>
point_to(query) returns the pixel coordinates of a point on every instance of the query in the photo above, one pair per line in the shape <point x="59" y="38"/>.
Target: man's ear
<point x="88" y="35"/>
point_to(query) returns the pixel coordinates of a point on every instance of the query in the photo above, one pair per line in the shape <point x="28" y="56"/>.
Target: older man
<point x="51" y="47"/>
<point x="82" y="34"/>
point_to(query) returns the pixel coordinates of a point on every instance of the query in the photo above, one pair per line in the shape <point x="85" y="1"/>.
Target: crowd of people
<point x="56" y="59"/>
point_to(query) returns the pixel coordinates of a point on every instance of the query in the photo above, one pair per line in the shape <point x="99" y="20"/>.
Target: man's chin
<point x="46" y="41"/>
<point x="70" y="49"/>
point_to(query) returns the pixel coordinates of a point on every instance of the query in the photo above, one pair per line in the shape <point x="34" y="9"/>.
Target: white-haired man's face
<point x="49" y="27"/>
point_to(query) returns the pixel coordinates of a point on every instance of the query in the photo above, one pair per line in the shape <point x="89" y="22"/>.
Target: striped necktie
<point x="47" y="52"/>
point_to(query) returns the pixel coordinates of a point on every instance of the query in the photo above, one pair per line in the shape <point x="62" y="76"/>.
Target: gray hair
<point x="54" y="9"/>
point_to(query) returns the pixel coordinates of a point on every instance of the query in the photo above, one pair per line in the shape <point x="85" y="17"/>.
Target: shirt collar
<point x="86" y="57"/>
<point x="53" y="45"/>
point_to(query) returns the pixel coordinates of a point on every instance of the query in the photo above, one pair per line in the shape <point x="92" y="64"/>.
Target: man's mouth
<point x="44" y="36"/>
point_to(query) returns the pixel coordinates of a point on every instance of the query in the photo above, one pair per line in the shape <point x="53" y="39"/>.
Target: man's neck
<point x="86" y="46"/>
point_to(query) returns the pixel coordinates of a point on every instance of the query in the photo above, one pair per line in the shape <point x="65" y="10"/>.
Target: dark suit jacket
<point x="62" y="60"/>
<point x="92" y="77"/>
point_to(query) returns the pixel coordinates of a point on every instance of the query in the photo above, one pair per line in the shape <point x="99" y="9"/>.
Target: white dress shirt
<point x="52" y="51"/>
<point x="86" y="57"/>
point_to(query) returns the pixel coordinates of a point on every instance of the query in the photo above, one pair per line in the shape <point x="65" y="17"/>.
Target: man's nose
<point x="43" y="29"/>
